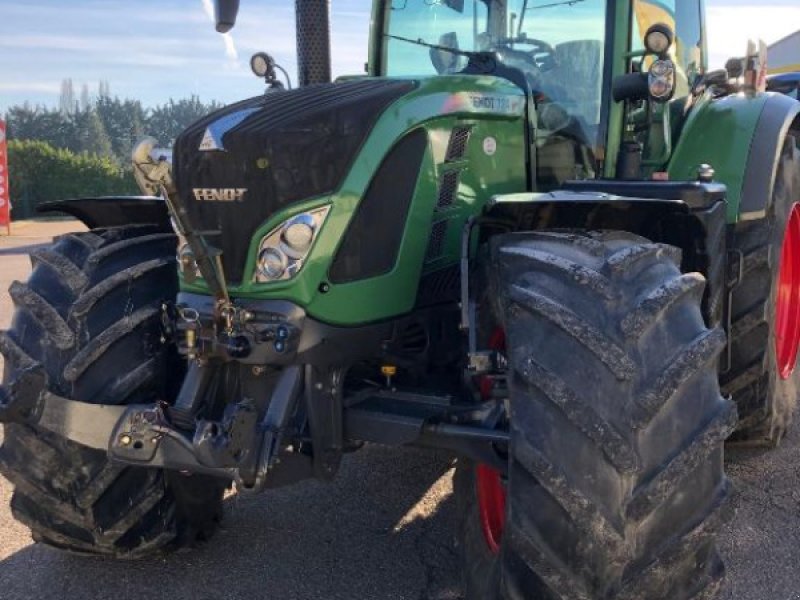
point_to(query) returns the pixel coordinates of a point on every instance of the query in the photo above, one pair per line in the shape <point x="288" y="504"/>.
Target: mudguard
<point x="741" y="137"/>
<point x="113" y="211"/>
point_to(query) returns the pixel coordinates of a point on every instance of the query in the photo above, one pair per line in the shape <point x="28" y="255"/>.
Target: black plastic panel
<point x="293" y="146"/>
<point x="113" y="211"/>
<point x="694" y="193"/>
<point x="373" y="237"/>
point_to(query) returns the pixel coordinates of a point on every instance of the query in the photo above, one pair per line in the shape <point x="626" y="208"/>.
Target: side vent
<point x="371" y="243"/>
<point x="436" y="241"/>
<point x="457" y="145"/>
<point x="448" y="186"/>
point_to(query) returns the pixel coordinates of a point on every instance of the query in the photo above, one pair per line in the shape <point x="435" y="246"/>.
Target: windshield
<point x="558" y="45"/>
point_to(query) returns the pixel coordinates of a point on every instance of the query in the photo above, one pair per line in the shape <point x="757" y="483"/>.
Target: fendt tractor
<point x="540" y="235"/>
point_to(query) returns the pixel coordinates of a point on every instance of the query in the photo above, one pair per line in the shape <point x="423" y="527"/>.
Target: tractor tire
<point x="765" y="397"/>
<point x="616" y="484"/>
<point x="90" y="314"/>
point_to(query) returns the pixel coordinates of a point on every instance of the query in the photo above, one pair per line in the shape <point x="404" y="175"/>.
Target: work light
<point x="262" y="64"/>
<point x="658" y="39"/>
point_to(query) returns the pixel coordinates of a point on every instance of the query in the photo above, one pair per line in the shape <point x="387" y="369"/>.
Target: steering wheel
<point x="542" y="54"/>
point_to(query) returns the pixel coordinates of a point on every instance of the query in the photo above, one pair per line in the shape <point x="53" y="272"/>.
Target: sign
<point x="5" y="199"/>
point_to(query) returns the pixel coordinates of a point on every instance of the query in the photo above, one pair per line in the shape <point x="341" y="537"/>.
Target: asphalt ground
<point x="383" y="530"/>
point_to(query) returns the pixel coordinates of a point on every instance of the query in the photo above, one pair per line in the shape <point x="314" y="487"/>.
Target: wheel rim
<point x="491" y="505"/>
<point x="489" y="486"/>
<point x="787" y="313"/>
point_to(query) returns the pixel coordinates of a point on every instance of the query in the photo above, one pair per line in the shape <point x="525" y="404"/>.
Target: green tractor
<point x="540" y="235"/>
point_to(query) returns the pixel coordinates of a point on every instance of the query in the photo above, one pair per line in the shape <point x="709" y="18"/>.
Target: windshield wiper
<point x="421" y="42"/>
<point x="526" y="8"/>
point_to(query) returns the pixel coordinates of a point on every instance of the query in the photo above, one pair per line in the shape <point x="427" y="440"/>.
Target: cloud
<point x="729" y="27"/>
<point x="41" y="87"/>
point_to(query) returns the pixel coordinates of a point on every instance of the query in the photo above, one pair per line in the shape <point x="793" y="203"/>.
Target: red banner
<point x="5" y="199"/>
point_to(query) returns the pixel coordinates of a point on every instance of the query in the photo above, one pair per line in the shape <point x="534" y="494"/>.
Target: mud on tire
<point x="766" y="401"/>
<point x="90" y="314"/>
<point x="616" y="485"/>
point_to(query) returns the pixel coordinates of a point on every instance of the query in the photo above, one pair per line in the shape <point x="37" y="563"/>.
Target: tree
<point x="106" y="126"/>
<point x="167" y="121"/>
<point x="85" y="100"/>
<point x="66" y="101"/>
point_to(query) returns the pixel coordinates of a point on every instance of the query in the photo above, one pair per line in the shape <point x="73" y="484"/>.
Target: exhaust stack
<point x="313" y="41"/>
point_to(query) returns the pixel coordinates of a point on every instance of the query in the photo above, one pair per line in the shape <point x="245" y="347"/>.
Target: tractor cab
<point x="566" y="54"/>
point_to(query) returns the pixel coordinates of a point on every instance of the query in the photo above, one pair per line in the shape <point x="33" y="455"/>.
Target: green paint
<point x="620" y="16"/>
<point x="719" y="132"/>
<point x="438" y="104"/>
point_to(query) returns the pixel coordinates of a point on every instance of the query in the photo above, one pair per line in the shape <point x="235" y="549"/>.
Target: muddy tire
<point x="90" y="314"/>
<point x="616" y="485"/>
<point x="766" y="400"/>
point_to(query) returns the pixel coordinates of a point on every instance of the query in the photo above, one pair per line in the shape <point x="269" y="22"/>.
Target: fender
<point x="687" y="214"/>
<point x="741" y="136"/>
<point x="113" y="211"/>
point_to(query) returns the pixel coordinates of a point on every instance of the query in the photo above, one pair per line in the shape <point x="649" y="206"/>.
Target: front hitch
<point x="239" y="447"/>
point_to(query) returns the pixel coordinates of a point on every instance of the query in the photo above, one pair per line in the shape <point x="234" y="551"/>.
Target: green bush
<point x="39" y="173"/>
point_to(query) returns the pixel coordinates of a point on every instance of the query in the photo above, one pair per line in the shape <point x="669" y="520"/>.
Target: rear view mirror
<point x="225" y="14"/>
<point x="442" y="60"/>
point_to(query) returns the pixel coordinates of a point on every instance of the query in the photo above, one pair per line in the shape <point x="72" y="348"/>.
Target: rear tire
<point x="765" y="400"/>
<point x="90" y="314"/>
<point x="616" y="485"/>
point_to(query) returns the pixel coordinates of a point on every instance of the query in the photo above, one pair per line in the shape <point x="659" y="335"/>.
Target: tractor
<point x="541" y="235"/>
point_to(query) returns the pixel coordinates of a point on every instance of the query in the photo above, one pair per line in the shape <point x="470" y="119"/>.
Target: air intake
<point x="457" y="146"/>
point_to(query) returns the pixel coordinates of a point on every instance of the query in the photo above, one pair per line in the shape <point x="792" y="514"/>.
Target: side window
<point x="683" y="16"/>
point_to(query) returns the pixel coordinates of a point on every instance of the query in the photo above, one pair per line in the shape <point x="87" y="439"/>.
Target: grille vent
<point x="443" y="285"/>
<point x="436" y="241"/>
<point x="448" y="186"/>
<point x="457" y="145"/>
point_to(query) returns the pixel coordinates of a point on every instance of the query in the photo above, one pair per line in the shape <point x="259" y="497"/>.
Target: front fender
<point x="741" y="136"/>
<point x="113" y="211"/>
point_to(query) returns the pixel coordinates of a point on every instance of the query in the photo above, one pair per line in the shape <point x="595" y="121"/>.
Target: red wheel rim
<point x="489" y="486"/>
<point x="491" y="505"/>
<point x="787" y="313"/>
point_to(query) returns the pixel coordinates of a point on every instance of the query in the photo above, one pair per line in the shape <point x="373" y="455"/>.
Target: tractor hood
<point x="238" y="166"/>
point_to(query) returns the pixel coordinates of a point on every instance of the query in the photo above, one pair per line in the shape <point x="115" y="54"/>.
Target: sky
<point x="156" y="49"/>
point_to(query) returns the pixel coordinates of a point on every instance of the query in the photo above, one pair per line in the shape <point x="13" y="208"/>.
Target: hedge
<point x="39" y="173"/>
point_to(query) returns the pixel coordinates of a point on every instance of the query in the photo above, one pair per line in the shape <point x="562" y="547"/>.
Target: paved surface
<point x="382" y="530"/>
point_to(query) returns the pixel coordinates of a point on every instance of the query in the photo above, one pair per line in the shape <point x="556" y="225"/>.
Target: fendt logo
<point x="219" y="195"/>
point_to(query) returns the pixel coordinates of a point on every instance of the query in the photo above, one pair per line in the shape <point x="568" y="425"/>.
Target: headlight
<point x="272" y="263"/>
<point x="283" y="251"/>
<point x="661" y="80"/>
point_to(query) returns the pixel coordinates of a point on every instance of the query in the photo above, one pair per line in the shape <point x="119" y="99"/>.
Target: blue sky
<point x="157" y="49"/>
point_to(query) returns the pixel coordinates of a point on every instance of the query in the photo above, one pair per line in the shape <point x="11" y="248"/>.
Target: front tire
<point x="90" y="315"/>
<point x="616" y="485"/>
